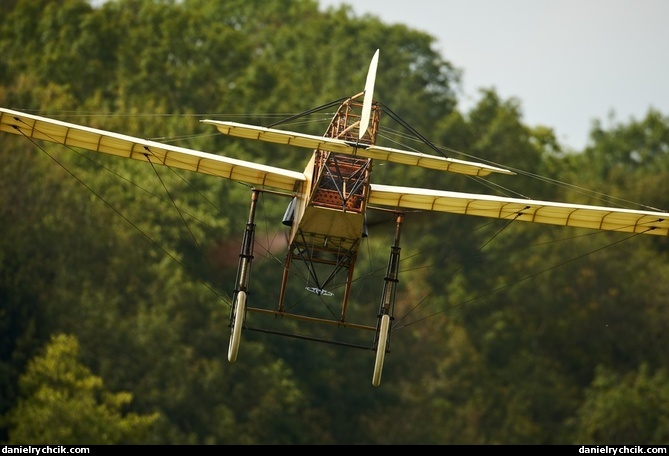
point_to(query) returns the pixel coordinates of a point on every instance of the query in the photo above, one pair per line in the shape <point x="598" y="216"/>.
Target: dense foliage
<point x="115" y="277"/>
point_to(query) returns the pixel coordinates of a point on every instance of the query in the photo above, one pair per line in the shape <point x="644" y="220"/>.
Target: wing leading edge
<point x="73" y="135"/>
<point x="554" y="213"/>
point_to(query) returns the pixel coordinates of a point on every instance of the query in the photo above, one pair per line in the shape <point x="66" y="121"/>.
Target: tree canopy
<point x="116" y="277"/>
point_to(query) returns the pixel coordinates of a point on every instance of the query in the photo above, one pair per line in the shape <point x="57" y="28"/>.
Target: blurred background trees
<point x="114" y="303"/>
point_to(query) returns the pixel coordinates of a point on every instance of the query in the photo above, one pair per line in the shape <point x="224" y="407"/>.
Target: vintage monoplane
<point x="330" y="199"/>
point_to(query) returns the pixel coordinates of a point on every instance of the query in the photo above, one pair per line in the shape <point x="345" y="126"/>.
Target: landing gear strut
<point x="238" y="310"/>
<point x="382" y="342"/>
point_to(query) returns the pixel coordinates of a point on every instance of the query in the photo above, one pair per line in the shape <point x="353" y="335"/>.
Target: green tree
<point x="623" y="409"/>
<point x="501" y="323"/>
<point x="62" y="402"/>
<point x="628" y="162"/>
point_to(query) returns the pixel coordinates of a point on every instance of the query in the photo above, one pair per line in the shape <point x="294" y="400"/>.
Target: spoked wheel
<point x="381" y="349"/>
<point x="236" y="333"/>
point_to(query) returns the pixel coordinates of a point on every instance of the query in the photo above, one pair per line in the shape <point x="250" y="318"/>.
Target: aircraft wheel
<point x="381" y="349"/>
<point x="236" y="333"/>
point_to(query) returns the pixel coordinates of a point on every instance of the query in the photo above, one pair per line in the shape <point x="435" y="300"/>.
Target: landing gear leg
<point x="238" y="310"/>
<point x="238" y="323"/>
<point x="381" y="349"/>
<point x="382" y="342"/>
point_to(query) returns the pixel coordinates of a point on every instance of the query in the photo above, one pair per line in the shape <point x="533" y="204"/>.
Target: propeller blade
<point x="369" y="94"/>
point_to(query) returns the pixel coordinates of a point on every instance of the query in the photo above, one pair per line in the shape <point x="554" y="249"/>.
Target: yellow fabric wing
<point x="554" y="213"/>
<point x="358" y="149"/>
<point x="73" y="135"/>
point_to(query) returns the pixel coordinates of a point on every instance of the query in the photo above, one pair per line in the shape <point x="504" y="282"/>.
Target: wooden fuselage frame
<point x="328" y="215"/>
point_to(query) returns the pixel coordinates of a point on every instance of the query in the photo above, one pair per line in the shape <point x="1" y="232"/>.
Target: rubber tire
<point x="381" y="349"/>
<point x="236" y="333"/>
